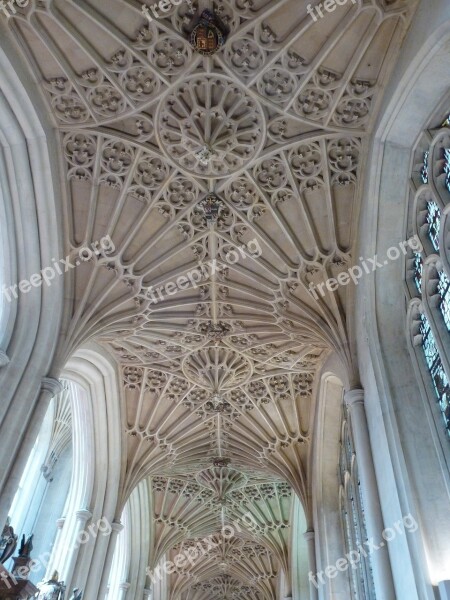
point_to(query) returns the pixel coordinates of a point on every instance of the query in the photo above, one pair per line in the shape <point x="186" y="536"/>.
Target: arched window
<point x="427" y="271"/>
<point x="353" y="518"/>
<point x="44" y="485"/>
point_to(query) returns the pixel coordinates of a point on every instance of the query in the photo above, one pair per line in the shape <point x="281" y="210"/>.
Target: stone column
<point x="59" y="527"/>
<point x="51" y="386"/>
<point x="310" y="538"/>
<point x="116" y="527"/>
<point x="379" y="559"/>
<point x="147" y="594"/>
<point x="123" y="589"/>
<point x="82" y="517"/>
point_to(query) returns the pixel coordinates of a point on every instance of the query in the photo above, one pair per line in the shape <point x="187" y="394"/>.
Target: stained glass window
<point x="424" y="171"/>
<point x="444" y="292"/>
<point x="418" y="271"/>
<point x="439" y="311"/>
<point x="434" y="220"/>
<point x="433" y="359"/>
<point x="447" y="168"/>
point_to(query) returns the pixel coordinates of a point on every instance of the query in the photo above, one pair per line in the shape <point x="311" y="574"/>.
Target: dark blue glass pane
<point x="418" y="271"/>
<point x="434" y="221"/>
<point x="444" y="292"/>
<point x="447" y="168"/>
<point x="424" y="171"/>
<point x="438" y="375"/>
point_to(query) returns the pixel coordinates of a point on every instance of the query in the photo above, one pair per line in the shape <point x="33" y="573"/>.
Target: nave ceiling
<point x="219" y="379"/>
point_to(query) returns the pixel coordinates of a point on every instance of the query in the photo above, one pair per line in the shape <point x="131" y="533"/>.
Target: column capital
<point x="83" y="515"/>
<point x="4" y="359"/>
<point x="117" y="526"/>
<point x="124" y="586"/>
<point x="60" y="522"/>
<point x="309" y="534"/>
<point x="51" y="385"/>
<point x="354" y="397"/>
<point x="147" y="593"/>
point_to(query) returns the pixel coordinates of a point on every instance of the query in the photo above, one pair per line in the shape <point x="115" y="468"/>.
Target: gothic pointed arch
<point x="30" y="214"/>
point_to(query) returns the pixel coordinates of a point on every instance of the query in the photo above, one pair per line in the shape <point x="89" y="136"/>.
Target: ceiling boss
<point x="209" y="34"/>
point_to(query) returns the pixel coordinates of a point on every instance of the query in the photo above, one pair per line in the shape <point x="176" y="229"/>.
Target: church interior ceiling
<point x="229" y="182"/>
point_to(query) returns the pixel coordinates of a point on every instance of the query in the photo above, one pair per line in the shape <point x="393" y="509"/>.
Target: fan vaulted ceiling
<point x="219" y="379"/>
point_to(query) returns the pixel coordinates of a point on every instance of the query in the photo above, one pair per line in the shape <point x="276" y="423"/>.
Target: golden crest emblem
<point x="208" y="35"/>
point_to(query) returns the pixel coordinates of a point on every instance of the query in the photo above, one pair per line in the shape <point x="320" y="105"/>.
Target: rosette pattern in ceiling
<point x="218" y="377"/>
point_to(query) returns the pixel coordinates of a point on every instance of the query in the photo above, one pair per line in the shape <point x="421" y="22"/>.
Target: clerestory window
<point x="428" y="272"/>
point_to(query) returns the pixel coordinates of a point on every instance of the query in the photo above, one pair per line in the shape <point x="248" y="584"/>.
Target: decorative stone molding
<point x="211" y="207"/>
<point x="221" y="480"/>
<point x="233" y="114"/>
<point x="83" y="515"/>
<point x="60" y="522"/>
<point x="354" y="397"/>
<point x="309" y="535"/>
<point x="61" y="432"/>
<point x="52" y="386"/>
<point x="117" y="526"/>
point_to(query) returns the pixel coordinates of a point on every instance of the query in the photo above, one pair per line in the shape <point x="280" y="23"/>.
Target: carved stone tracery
<point x="222" y="369"/>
